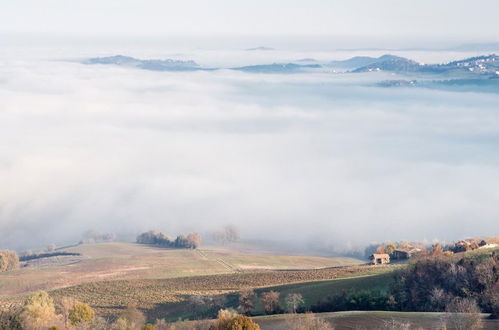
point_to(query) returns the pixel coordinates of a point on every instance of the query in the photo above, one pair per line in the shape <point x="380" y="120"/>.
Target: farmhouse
<point x="380" y="258"/>
<point x="405" y="253"/>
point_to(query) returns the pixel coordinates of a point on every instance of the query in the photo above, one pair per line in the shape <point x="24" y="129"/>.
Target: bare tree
<point x="270" y="301"/>
<point x="247" y="301"/>
<point x="293" y="302"/>
<point x="463" y="314"/>
<point x="309" y="322"/>
<point x="193" y="240"/>
<point x="227" y="234"/>
<point x="64" y="306"/>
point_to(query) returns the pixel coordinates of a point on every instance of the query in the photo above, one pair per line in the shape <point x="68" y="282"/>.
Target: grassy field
<point x="317" y="290"/>
<point x="128" y="261"/>
<point x="367" y="320"/>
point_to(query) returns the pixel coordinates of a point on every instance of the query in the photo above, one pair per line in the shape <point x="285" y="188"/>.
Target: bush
<point x="81" y="313"/>
<point x="38" y="311"/>
<point x="229" y="320"/>
<point x="9" y="318"/>
<point x="8" y="260"/>
<point x="130" y="319"/>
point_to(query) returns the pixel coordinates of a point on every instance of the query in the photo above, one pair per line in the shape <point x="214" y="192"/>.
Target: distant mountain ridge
<point x="486" y="65"/>
<point x="360" y="61"/>
<point x="154" y="64"/>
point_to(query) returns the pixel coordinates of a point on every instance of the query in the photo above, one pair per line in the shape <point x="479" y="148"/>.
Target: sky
<point x="382" y="19"/>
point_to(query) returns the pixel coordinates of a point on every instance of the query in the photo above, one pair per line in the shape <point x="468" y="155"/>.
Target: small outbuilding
<point x="380" y="258"/>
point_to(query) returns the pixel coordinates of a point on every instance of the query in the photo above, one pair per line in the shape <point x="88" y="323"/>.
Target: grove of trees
<point x="191" y="241"/>
<point x="436" y="282"/>
<point x="227" y="234"/>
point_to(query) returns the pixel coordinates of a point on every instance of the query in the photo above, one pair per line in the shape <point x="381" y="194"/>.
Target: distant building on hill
<point x="380" y="258"/>
<point x="400" y="254"/>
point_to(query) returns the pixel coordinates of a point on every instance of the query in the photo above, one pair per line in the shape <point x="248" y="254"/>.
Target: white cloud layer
<point x="293" y="156"/>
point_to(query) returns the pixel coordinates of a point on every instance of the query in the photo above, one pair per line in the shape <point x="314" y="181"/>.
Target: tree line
<point x="191" y="241"/>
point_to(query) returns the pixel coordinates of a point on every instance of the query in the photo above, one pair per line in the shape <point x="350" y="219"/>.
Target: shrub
<point x="130" y="319"/>
<point x="38" y="311"/>
<point x="229" y="320"/>
<point x="81" y="313"/>
<point x="9" y="318"/>
<point x="8" y="260"/>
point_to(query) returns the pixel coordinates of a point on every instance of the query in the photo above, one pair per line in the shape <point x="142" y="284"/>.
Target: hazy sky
<point x="460" y="19"/>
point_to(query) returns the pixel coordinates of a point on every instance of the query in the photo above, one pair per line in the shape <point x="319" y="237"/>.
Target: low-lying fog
<point x="321" y="157"/>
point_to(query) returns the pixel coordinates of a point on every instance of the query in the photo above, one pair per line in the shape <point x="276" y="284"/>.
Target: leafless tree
<point x="293" y="302"/>
<point x="309" y="322"/>
<point x="270" y="301"/>
<point x="463" y="314"/>
<point x="247" y="301"/>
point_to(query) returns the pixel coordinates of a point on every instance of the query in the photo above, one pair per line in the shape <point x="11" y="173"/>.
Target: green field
<point x="312" y="292"/>
<point x="128" y="261"/>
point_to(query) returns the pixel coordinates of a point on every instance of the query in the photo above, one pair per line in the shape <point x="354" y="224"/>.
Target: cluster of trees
<point x="25" y="256"/>
<point x="191" y="241"/>
<point x="8" y="260"/>
<point x="389" y="247"/>
<point x="39" y="311"/>
<point x="93" y="236"/>
<point x="227" y="234"/>
<point x="354" y="300"/>
<point x="270" y="301"/>
<point x="433" y="283"/>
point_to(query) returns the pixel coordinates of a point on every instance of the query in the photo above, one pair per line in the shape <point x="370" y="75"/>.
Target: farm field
<point x="129" y="261"/>
<point x="170" y="298"/>
<point x="367" y="320"/>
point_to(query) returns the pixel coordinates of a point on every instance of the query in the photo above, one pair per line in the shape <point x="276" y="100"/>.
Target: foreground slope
<point x="369" y="320"/>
